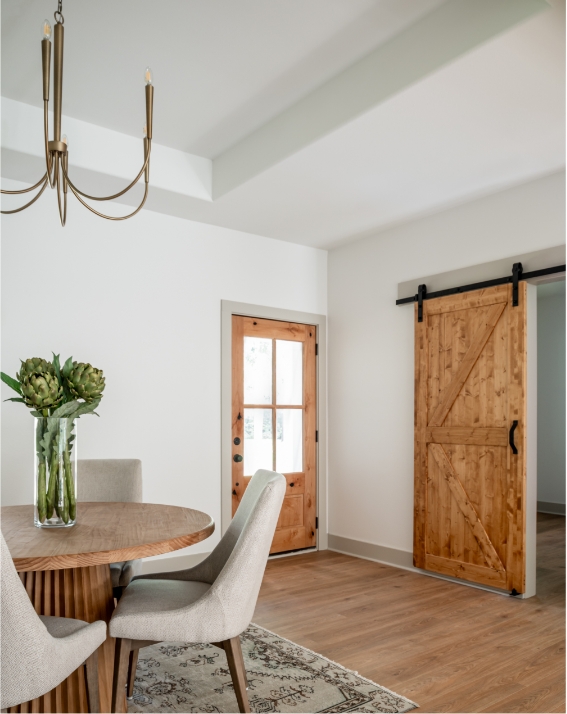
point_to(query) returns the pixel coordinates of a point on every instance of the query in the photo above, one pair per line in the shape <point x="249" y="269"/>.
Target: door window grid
<point x="267" y="422"/>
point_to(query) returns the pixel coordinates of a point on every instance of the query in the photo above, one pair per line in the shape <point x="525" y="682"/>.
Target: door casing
<point x="228" y="309"/>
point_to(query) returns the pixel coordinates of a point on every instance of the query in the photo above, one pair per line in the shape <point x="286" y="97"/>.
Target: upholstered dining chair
<point x="38" y="652"/>
<point x="112" y="480"/>
<point x="210" y="603"/>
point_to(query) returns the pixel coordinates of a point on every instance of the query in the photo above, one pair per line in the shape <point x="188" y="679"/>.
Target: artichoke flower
<point x="41" y="390"/>
<point x="35" y="365"/>
<point x="85" y="381"/>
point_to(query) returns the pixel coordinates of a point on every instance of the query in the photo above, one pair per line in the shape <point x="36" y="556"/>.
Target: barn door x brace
<point x="517" y="275"/>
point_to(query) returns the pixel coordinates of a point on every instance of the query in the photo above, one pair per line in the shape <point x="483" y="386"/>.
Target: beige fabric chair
<point x="212" y="602"/>
<point x="38" y="653"/>
<point x="112" y="480"/>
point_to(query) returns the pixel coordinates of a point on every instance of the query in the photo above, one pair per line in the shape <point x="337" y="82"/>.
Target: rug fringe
<point x="352" y="671"/>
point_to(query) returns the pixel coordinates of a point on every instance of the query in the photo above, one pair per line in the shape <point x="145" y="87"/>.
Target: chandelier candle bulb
<point x="46" y="27"/>
<point x="148" y="76"/>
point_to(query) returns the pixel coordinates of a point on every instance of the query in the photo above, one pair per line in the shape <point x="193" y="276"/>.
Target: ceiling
<point x="493" y="117"/>
<point x="221" y="68"/>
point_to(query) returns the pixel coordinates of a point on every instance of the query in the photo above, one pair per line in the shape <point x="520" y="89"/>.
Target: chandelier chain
<point x="58" y="14"/>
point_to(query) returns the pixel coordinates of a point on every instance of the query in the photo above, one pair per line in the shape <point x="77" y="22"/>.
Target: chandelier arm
<point x="17" y="210"/>
<point x="48" y="161"/>
<point x="26" y="190"/>
<point x="62" y="215"/>
<point x="110" y="218"/>
<point x="116" y="195"/>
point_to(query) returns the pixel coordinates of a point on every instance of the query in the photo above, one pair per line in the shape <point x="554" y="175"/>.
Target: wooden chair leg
<point x="121" y="659"/>
<point x="91" y="677"/>
<point x="235" y="659"/>
<point x="132" y="664"/>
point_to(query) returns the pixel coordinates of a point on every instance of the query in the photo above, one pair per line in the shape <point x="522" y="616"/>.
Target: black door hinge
<point x="316" y="436"/>
<point x="316" y="349"/>
<point x="316" y="522"/>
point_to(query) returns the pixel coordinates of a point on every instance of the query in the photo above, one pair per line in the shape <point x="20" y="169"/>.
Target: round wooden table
<point x="66" y="571"/>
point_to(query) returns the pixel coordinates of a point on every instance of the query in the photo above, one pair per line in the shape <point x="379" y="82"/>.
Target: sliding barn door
<point x="470" y="437"/>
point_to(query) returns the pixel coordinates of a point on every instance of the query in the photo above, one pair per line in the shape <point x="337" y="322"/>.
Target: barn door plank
<point x="466" y="507"/>
<point x="454" y="387"/>
<point x="480" y="436"/>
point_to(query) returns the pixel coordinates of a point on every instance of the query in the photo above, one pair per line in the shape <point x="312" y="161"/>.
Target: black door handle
<point x="512" y="430"/>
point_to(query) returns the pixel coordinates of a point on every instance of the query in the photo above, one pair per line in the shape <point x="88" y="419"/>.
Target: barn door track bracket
<point x="517" y="275"/>
<point x="421" y="296"/>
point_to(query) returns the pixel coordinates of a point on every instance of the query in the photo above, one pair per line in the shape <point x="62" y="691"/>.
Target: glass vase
<point x="55" y="472"/>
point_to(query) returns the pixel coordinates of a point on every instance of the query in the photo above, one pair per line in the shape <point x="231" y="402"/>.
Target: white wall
<point x="141" y="300"/>
<point x="371" y="369"/>
<point x="551" y="393"/>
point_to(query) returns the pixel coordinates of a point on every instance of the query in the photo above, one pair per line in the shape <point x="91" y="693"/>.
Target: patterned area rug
<point x="282" y="677"/>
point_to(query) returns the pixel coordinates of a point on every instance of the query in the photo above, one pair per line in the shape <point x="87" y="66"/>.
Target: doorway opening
<point x="551" y="405"/>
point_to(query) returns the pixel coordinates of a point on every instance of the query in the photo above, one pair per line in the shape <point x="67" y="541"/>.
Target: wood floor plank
<point x="444" y="645"/>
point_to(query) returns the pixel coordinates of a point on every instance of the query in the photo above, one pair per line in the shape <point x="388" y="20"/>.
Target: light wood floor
<point x="448" y="647"/>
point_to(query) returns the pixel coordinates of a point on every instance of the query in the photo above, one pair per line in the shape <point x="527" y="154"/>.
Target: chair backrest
<point x="238" y="562"/>
<point x="24" y="638"/>
<point x="109" y="480"/>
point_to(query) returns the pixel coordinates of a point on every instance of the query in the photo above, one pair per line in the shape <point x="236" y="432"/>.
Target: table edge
<point x="85" y="560"/>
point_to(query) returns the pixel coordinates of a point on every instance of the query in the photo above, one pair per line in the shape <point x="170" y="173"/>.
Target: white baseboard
<point x="396" y="558"/>
<point x="556" y="509"/>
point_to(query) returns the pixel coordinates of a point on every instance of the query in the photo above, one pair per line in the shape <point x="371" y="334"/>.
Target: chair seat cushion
<point x="143" y="600"/>
<point x="122" y="573"/>
<point x="62" y="626"/>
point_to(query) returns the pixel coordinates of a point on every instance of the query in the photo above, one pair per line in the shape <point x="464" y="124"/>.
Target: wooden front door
<point x="470" y="486"/>
<point x="274" y="419"/>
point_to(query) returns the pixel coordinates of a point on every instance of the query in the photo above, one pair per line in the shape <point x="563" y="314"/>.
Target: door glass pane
<point x="289" y="372"/>
<point x="289" y="440"/>
<point x="258" y="442"/>
<point x="257" y="370"/>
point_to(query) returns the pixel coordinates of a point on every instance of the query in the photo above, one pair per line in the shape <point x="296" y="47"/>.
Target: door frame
<point x="228" y="309"/>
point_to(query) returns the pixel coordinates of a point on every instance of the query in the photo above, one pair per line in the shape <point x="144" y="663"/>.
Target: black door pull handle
<point x="512" y="430"/>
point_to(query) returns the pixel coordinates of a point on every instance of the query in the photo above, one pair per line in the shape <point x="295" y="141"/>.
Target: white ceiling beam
<point x="102" y="151"/>
<point x="447" y="32"/>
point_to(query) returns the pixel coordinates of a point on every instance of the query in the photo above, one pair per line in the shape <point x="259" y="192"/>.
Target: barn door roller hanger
<point x="517" y="275"/>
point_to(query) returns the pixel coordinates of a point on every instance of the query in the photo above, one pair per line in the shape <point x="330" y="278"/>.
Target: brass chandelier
<point x="57" y="151"/>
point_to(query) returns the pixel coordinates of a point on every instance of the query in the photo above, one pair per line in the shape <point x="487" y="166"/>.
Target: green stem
<point x="69" y="483"/>
<point x="54" y="479"/>
<point x="62" y="483"/>
<point x="41" y="495"/>
<point x="51" y="490"/>
<point x="41" y="471"/>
